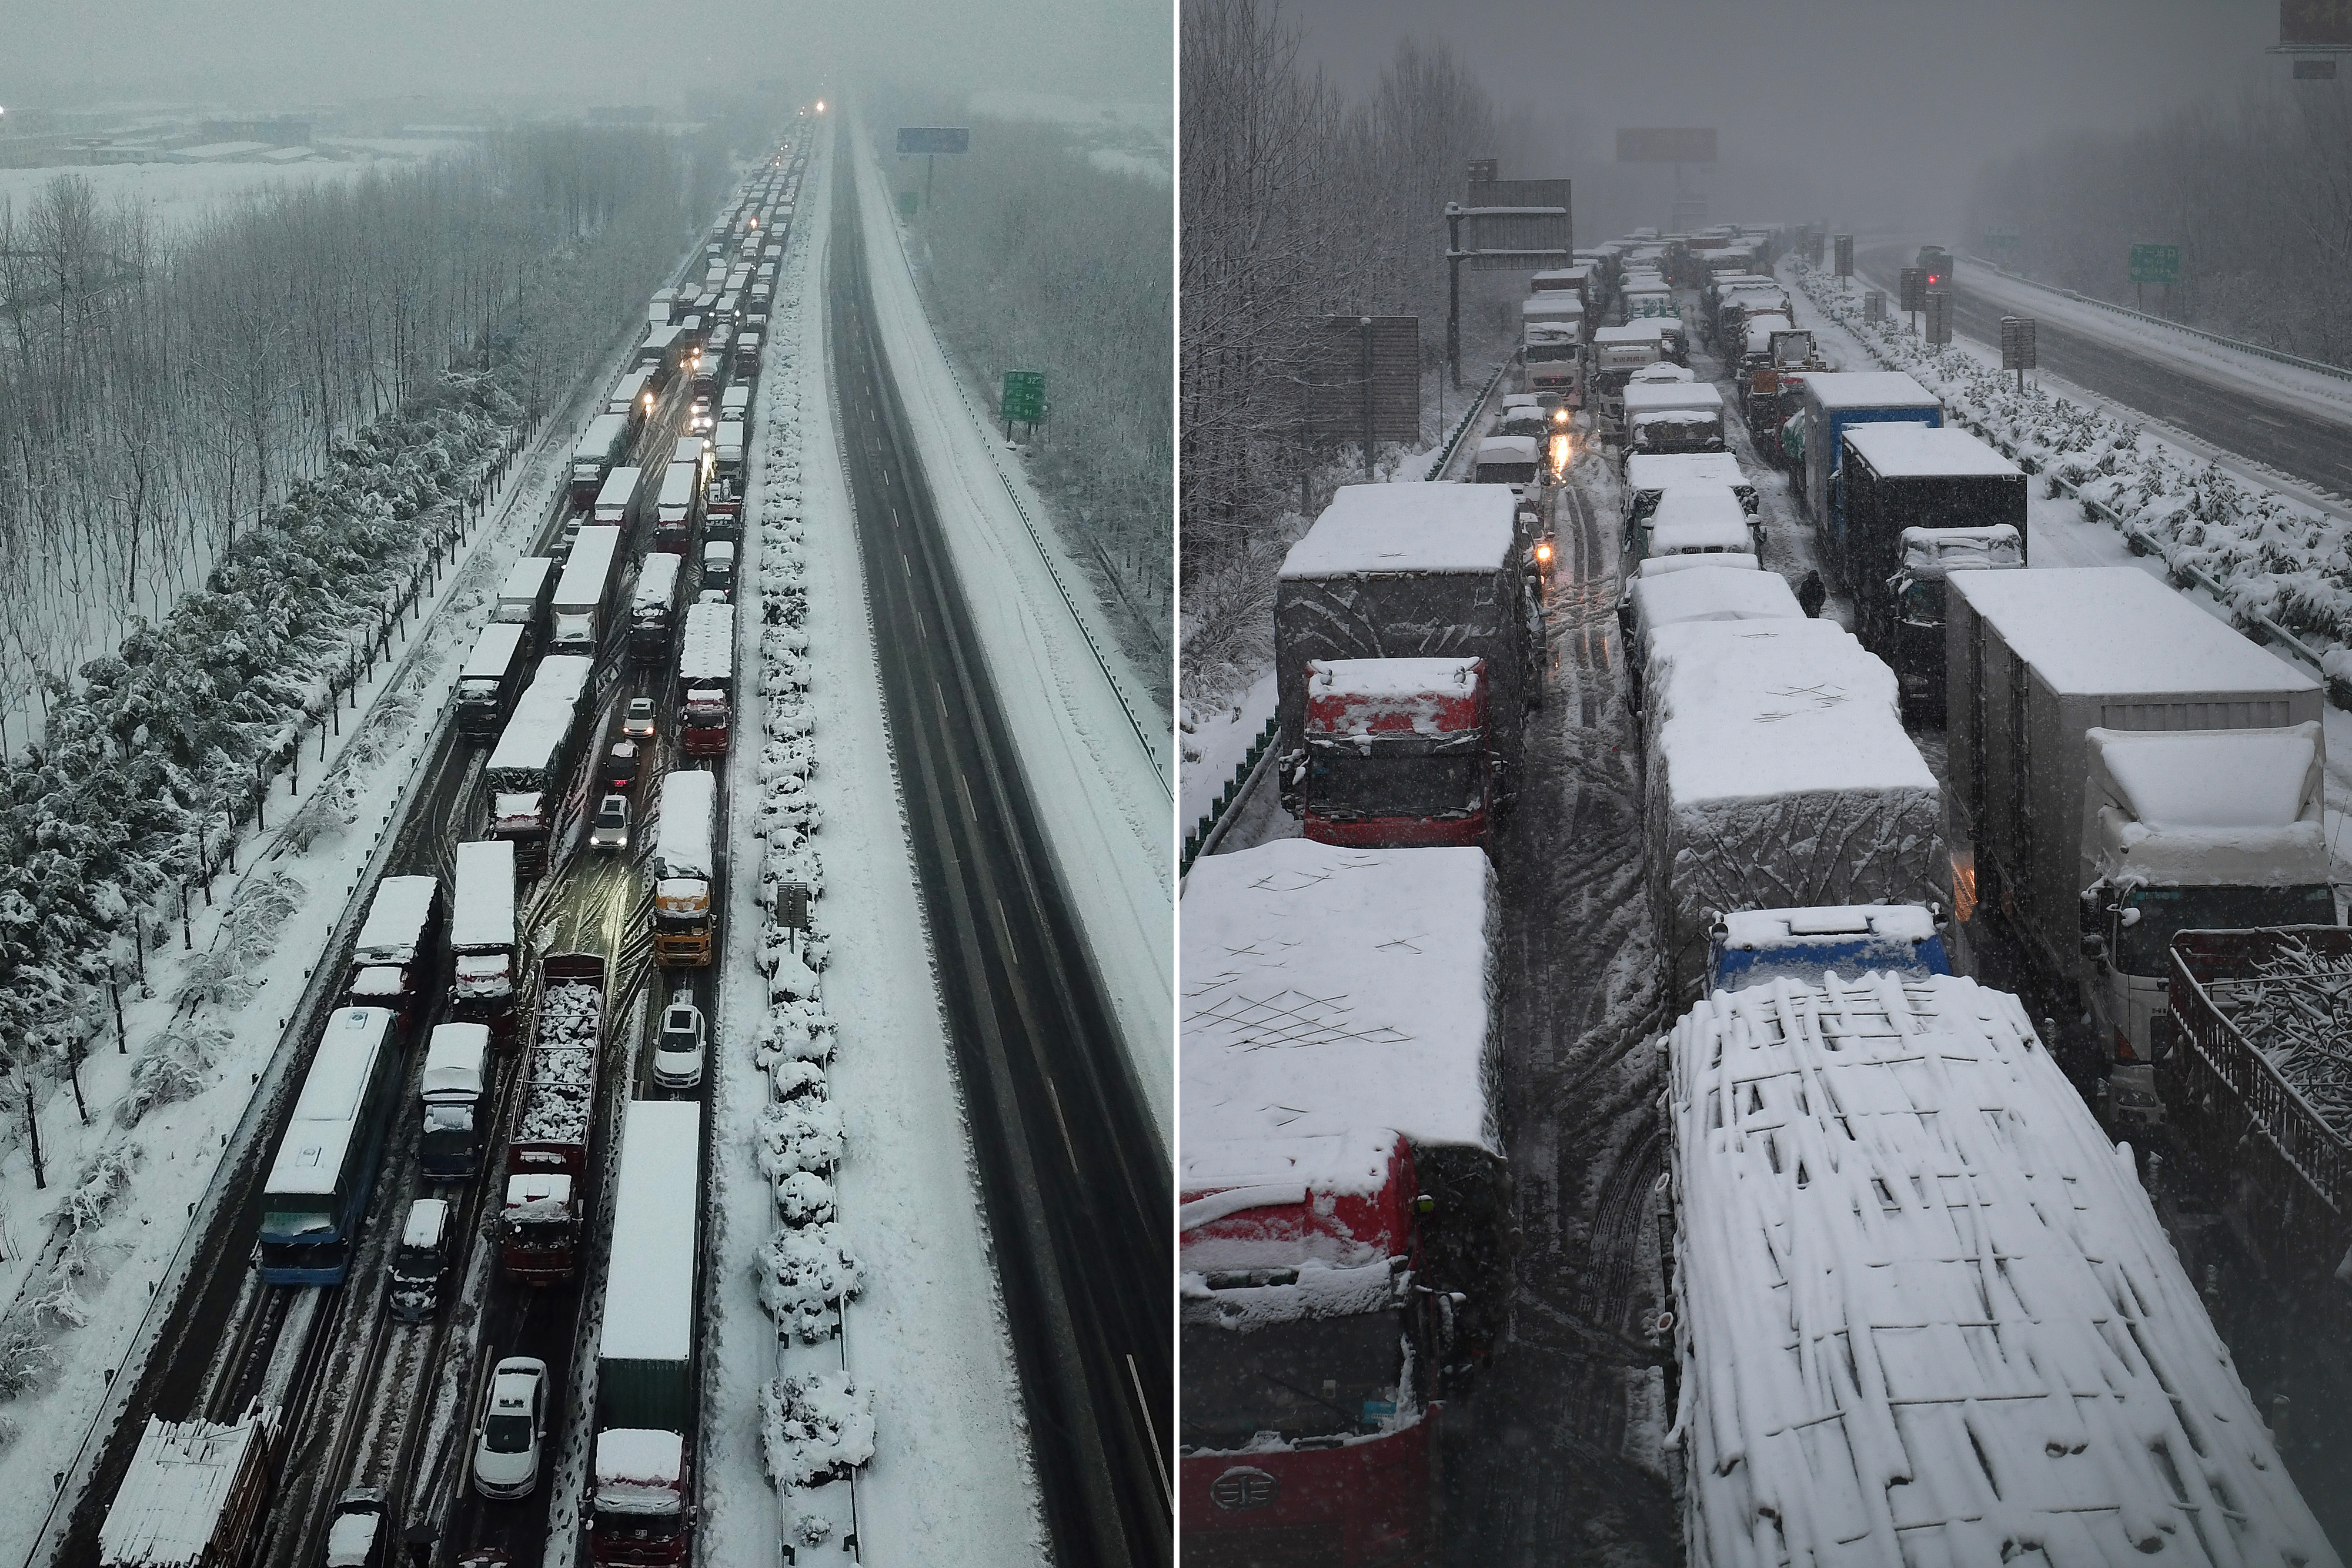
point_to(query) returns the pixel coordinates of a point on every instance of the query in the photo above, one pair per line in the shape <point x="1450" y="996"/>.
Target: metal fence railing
<point x="2338" y="371"/>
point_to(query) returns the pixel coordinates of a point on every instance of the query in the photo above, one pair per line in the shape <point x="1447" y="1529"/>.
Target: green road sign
<point x="1025" y="396"/>
<point x="2156" y="264"/>
<point x="906" y="204"/>
<point x="2001" y="239"/>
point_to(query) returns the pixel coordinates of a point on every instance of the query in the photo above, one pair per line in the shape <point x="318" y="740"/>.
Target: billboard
<point x="1517" y="225"/>
<point x="1341" y="353"/>
<point x="934" y="139"/>
<point x="1666" y="144"/>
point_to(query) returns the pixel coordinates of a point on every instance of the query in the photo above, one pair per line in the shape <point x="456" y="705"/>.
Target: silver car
<point x="611" y="829"/>
<point x="514" y="1420"/>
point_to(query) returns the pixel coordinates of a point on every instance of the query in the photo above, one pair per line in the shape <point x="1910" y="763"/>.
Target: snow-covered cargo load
<point x="482" y="936"/>
<point x="1408" y="571"/>
<point x="2037" y="661"/>
<point x="1778" y="776"/>
<point x="1897" y="477"/>
<point x="585" y="592"/>
<point x="194" y="1494"/>
<point x="684" y="865"/>
<point x="547" y="1157"/>
<point x="396" y="944"/>
<point x="1671" y="416"/>
<point x="618" y="496"/>
<point x="680" y="498"/>
<point x="653" y="606"/>
<point x="1344" y="1195"/>
<point x="491" y="679"/>
<point x="531" y="763"/>
<point x="1924" y="1311"/>
<point x="1838" y="401"/>
<point x="1742" y="593"/>
<point x="600" y="451"/>
<point x="1695" y="520"/>
<point x="1649" y="476"/>
<point x="522" y="598"/>
<point x="1513" y="460"/>
<point x="645" y="1416"/>
<point x="2258" y="1090"/>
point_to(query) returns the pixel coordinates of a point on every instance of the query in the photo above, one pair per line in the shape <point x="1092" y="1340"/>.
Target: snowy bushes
<point x="806" y="1272"/>
<point x="816" y="1428"/>
<point x="2271" y="556"/>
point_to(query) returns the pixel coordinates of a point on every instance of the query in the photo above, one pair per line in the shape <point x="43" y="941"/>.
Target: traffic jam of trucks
<point x="2012" y="870"/>
<point x="504" y="1063"/>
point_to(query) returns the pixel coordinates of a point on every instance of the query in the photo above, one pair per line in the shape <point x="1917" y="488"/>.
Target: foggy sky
<point x="592" y="51"/>
<point x="1886" y="109"/>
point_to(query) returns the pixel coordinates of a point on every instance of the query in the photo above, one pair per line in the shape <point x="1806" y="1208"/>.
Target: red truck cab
<point x="708" y="717"/>
<point x="1397" y="753"/>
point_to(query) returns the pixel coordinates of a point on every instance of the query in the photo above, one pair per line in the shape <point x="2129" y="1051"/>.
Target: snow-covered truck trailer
<point x="482" y="937"/>
<point x="491" y="679"/>
<point x="1345" y="1220"/>
<point x="547" y="1157"/>
<point x="653" y="607"/>
<point x="530" y="770"/>
<point x="600" y="451"/>
<point x="2256" y="1092"/>
<point x="705" y="680"/>
<point x="1517" y="461"/>
<point x="1397" y="753"/>
<point x="1408" y="571"/>
<point x="522" y="598"/>
<point x="616" y="498"/>
<point x="638" y="1503"/>
<point x="583" y="595"/>
<point x="683" y="868"/>
<point x="1665" y="417"/>
<point x="1695" y="520"/>
<point x="1655" y="601"/>
<point x="1924" y="1311"/>
<point x="194" y="1495"/>
<point x="1897" y="477"/>
<point x="1649" y="477"/>
<point x="1779" y="775"/>
<point x="396" y="946"/>
<point x="661" y="353"/>
<point x="457" y="1072"/>
<point x="676" y="508"/>
<point x="1837" y="402"/>
<point x="2063" y="823"/>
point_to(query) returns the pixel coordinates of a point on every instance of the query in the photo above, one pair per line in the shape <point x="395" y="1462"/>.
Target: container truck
<point x="728" y="447"/>
<point x="1409" y="571"/>
<point x="491" y="680"/>
<point x="1647" y="478"/>
<point x="632" y="396"/>
<point x="1552" y="354"/>
<point x="482" y="937"/>
<point x="662" y="353"/>
<point x="195" y="1494"/>
<point x="600" y="451"/>
<point x="522" y="599"/>
<point x="683" y="868"/>
<point x="1902" y="476"/>
<point x="1345" y="1206"/>
<point x="583" y="595"/>
<point x="653" y="607"/>
<point x="1617" y="353"/>
<point x="616" y="503"/>
<point x="395" y="948"/>
<point x="2063" y="822"/>
<point x="706" y="679"/>
<point x="674" y="511"/>
<point x="1922" y="1310"/>
<point x="1513" y="460"/>
<point x="547" y="1158"/>
<point x="1912" y="638"/>
<point x="530" y="771"/>
<point x="1837" y="402"/>
<point x="639" y="1505"/>
<point x="1397" y="753"/>
<point x="1779" y="775"/>
<point x="1653" y="602"/>
<point x="747" y="357"/>
<point x="1695" y="520"/>
<point x="457" y="1072"/>
<point x="1663" y="417"/>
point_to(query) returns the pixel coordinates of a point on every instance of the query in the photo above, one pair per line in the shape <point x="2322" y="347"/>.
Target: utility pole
<point x="1453" y="291"/>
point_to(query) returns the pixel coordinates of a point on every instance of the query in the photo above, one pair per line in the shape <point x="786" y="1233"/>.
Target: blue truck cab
<point x="1835" y="400"/>
<point x="1756" y="947"/>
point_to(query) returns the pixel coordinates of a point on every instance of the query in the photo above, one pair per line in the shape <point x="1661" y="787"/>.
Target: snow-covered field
<point x="926" y="1340"/>
<point x="178" y="194"/>
<point x="1099" y="762"/>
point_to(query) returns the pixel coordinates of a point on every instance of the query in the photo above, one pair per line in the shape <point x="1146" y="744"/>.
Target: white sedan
<point x="514" y="1419"/>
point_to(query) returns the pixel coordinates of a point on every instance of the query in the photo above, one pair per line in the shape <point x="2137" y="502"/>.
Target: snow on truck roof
<point x="1940" y="552"/>
<point x="656" y="580"/>
<point x="542" y="714"/>
<point x="1749" y="930"/>
<point x="1507" y="449"/>
<point x="1725" y="560"/>
<point x="494" y="651"/>
<point x="453" y="1059"/>
<point x="311" y="1154"/>
<point x="1408" y="528"/>
<point x="1718" y="593"/>
<point x="1388" y="679"/>
<point x="1907" y="451"/>
<point x="482" y="912"/>
<point x="689" y="798"/>
<point x="1750" y="709"/>
<point x="527" y="577"/>
<point x="2211" y="808"/>
<point x="1927" y="1310"/>
<point x="590" y="571"/>
<point x="1330" y="993"/>
<point x="1835" y="390"/>
<point x="395" y="920"/>
<point x="706" y="652"/>
<point x="1654" y="397"/>
<point x="2115" y="631"/>
<point x="637" y="1470"/>
<point x="603" y="430"/>
<point x="649" y="1305"/>
<point x="168" y="1508"/>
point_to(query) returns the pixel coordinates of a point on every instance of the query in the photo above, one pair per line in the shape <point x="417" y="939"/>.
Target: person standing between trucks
<point x="1811" y="594"/>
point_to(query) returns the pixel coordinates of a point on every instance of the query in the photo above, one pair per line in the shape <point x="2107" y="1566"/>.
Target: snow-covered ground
<point x="1216" y="740"/>
<point x="1099" y="764"/>
<point x="178" y="194"/>
<point x="951" y="1477"/>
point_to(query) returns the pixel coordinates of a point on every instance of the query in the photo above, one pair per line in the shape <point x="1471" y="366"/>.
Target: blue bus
<point x="326" y="1162"/>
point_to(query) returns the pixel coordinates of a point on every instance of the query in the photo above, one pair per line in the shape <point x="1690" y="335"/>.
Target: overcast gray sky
<point x="601" y="51"/>
<point x="1882" y="104"/>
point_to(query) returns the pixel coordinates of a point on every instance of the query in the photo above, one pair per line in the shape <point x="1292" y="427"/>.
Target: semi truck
<point x="705" y="680"/>
<point x="1409" y="571"/>
<point x="2090" y="841"/>
<point x="1345" y="1208"/>
<point x="653" y="607"/>
<point x="640" y="1491"/>
<point x="675" y="509"/>
<point x="491" y="680"/>
<point x="482" y="937"/>
<point x="1779" y="775"/>
<point x="1617" y="353"/>
<point x="1901" y="477"/>
<point x="395" y="947"/>
<point x="600" y="451"/>
<point x="583" y="595"/>
<point x="530" y="771"/>
<point x="195" y="1494"/>
<point x="1911" y="609"/>
<point x="616" y="501"/>
<point x="1551" y="352"/>
<point x="547" y="1158"/>
<point x="457" y="1072"/>
<point x="1736" y="590"/>
<point x="684" y="868"/>
<point x="1397" y="753"/>
<point x="1662" y="417"/>
<point x="523" y="598"/>
<point x="1837" y="402"/>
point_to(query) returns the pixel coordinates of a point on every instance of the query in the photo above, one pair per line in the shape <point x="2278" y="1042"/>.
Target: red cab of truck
<point x="1397" y="753"/>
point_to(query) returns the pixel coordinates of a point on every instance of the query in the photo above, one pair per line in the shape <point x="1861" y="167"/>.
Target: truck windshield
<point x="1313" y="1379"/>
<point x="1342" y="782"/>
<point x="2165" y="911"/>
<point x="416" y="1263"/>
